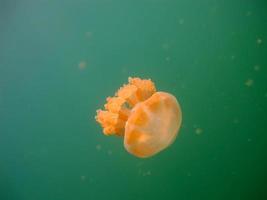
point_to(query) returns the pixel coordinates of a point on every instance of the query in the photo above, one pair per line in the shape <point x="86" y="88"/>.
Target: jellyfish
<point x="147" y="120"/>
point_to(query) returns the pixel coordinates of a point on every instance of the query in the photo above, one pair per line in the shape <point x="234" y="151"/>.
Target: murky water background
<point x="59" y="60"/>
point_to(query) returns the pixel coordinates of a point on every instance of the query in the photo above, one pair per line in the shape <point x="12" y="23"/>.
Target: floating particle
<point x="181" y="21"/>
<point x="256" y="67"/>
<point x="249" y="139"/>
<point x="249" y="13"/>
<point x="124" y="70"/>
<point x="98" y="147"/>
<point x="88" y="34"/>
<point x="249" y="82"/>
<point x="259" y="41"/>
<point x="183" y="86"/>
<point x="165" y="46"/>
<point x="139" y="164"/>
<point x="82" y="65"/>
<point x="109" y="152"/>
<point x="225" y="107"/>
<point x="223" y="94"/>
<point x="148" y="173"/>
<point x="236" y="121"/>
<point x="233" y="33"/>
<point x="168" y="59"/>
<point x="214" y="9"/>
<point x="233" y="173"/>
<point x="199" y="131"/>
<point x="83" y="177"/>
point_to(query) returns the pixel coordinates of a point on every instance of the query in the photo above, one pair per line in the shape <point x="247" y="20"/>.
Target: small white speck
<point x="124" y="70"/>
<point x="148" y="173"/>
<point x="199" y="131"/>
<point x="195" y="62"/>
<point x="249" y="139"/>
<point x="236" y="121"/>
<point x="183" y="86"/>
<point x="249" y="13"/>
<point x="83" y="177"/>
<point x="233" y="33"/>
<point x="98" y="147"/>
<point x="88" y="34"/>
<point x="109" y="152"/>
<point x="232" y="57"/>
<point x="233" y="173"/>
<point x="214" y="9"/>
<point x="256" y="67"/>
<point x="139" y="164"/>
<point x="181" y="21"/>
<point x="168" y="59"/>
<point x="223" y="94"/>
<point x="165" y="46"/>
<point x="259" y="41"/>
<point x="249" y="82"/>
<point x="225" y="107"/>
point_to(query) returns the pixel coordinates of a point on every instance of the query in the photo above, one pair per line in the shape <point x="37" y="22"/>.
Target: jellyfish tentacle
<point x="145" y="87"/>
<point x="118" y="108"/>
<point x="128" y="92"/>
<point x="111" y="123"/>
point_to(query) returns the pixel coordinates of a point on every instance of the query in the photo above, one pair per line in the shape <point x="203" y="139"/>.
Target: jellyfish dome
<point x="147" y="120"/>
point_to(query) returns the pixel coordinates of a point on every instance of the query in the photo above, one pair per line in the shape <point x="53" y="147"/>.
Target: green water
<point x="59" y="60"/>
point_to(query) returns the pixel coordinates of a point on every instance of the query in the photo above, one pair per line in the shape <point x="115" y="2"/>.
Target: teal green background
<point x="59" y="60"/>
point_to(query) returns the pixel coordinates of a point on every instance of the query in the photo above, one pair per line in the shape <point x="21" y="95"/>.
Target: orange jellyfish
<point x="148" y="121"/>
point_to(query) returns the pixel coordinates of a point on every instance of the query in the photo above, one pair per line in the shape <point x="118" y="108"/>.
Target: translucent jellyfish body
<point x="148" y="121"/>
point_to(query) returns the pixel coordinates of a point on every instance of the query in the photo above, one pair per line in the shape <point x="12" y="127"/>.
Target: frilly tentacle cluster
<point x="118" y="108"/>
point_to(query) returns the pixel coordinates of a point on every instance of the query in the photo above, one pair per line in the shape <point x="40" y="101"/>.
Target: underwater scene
<point x="133" y="99"/>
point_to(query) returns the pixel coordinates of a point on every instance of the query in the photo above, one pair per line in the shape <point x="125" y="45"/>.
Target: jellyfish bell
<point x="148" y="121"/>
<point x="153" y="125"/>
